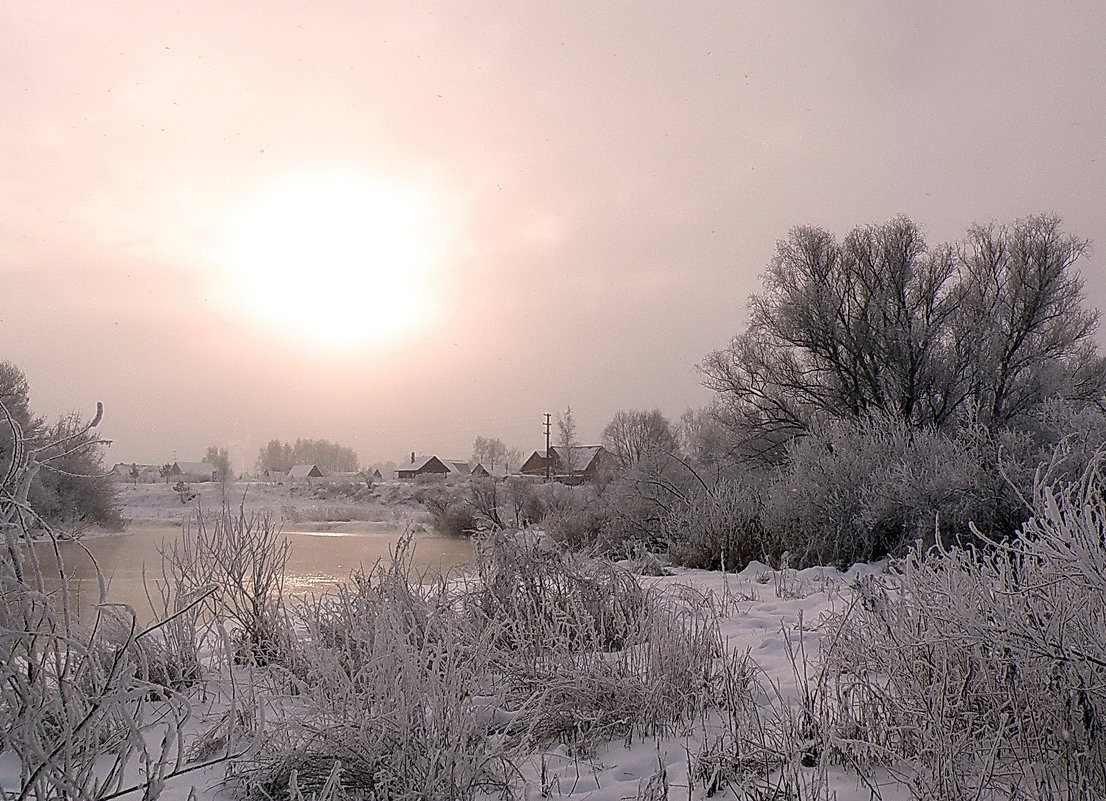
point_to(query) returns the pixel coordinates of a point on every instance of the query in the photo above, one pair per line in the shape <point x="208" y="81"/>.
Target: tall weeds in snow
<point x="75" y="694"/>
<point x="245" y="556"/>
<point x="588" y="654"/>
<point x="982" y="673"/>
<point x="389" y="686"/>
<point x="546" y="600"/>
<point x="417" y="687"/>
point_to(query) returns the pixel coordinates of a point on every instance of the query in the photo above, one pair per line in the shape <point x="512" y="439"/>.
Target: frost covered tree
<point x="633" y="435"/>
<point x="329" y="456"/>
<point x="881" y="323"/>
<point x="70" y="485"/>
<point x="73" y="488"/>
<point x="489" y="452"/>
<point x="15" y="396"/>
<point x="219" y="458"/>
<point x="276" y="456"/>
<point x="701" y="436"/>
<point x="566" y="429"/>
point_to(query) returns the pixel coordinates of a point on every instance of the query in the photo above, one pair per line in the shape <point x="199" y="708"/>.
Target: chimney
<point x="412" y="457"/>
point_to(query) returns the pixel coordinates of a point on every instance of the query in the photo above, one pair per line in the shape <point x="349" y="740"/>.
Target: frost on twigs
<point x="74" y="691"/>
<point x="975" y="672"/>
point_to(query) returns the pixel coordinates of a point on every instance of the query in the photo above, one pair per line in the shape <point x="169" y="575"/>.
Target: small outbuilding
<point x="193" y="471"/>
<point x="136" y="473"/>
<point x="496" y="471"/>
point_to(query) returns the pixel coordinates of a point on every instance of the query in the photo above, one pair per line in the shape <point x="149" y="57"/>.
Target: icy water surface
<point x="317" y="561"/>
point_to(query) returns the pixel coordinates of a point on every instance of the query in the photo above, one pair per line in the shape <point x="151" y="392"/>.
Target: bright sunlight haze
<point x="400" y="226"/>
<point x="338" y="260"/>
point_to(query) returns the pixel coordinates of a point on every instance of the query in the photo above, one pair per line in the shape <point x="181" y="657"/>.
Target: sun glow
<point x="341" y="261"/>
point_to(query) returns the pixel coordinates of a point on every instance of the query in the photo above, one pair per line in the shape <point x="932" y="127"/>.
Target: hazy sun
<point x="339" y="260"/>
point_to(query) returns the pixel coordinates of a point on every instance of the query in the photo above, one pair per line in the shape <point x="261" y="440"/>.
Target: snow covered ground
<point x="318" y="504"/>
<point x="967" y="712"/>
<point x="775" y="617"/>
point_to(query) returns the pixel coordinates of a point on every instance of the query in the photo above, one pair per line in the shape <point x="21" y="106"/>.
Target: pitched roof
<point x="417" y="465"/>
<point x="196" y="468"/>
<point x="124" y="468"/>
<point x="578" y="458"/>
<point x="305" y="471"/>
<point x="497" y="471"/>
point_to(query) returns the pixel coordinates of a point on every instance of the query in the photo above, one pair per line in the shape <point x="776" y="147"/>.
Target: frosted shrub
<point x="625" y="509"/>
<point x="588" y="654"/>
<point x="858" y="491"/>
<point x="245" y="556"/>
<point x="417" y="688"/>
<point x="986" y="666"/>
<point x="1062" y="437"/>
<point x="669" y="670"/>
<point x="75" y="695"/>
<point x="566" y="513"/>
<point x="389" y="686"/>
<point x="545" y="599"/>
<point x="451" y="511"/>
<point x="584" y="528"/>
<point x="718" y="528"/>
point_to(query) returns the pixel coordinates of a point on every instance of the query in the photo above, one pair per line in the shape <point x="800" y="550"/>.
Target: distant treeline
<point x="326" y="455"/>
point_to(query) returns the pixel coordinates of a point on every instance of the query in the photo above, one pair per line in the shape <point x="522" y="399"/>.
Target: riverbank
<point x="338" y="506"/>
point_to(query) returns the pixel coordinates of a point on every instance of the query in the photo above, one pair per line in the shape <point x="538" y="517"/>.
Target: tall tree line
<point x="328" y="456"/>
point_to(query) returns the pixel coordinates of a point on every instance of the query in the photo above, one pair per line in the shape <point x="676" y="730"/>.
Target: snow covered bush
<point x="856" y="491"/>
<point x="389" y="686"/>
<point x="626" y="509"/>
<point x="450" y="509"/>
<point x="245" y="556"/>
<point x="981" y="672"/>
<point x="538" y="596"/>
<point x="417" y="687"/>
<point x="615" y="524"/>
<point x="76" y="695"/>
<point x="718" y="527"/>
<point x="588" y="654"/>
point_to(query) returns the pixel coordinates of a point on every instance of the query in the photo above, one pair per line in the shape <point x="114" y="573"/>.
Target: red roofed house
<point x="569" y="465"/>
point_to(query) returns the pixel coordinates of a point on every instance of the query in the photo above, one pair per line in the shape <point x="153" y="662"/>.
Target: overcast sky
<point x="573" y="199"/>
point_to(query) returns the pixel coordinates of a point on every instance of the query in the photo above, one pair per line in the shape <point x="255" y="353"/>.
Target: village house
<point x="357" y="476"/>
<point x="302" y="472"/>
<point x="496" y="471"/>
<point x="147" y="473"/>
<point x="194" y="472"/>
<point x="433" y="467"/>
<point x="568" y="465"/>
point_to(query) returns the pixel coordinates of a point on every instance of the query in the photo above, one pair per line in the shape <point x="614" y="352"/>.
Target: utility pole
<point x="547" y="424"/>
